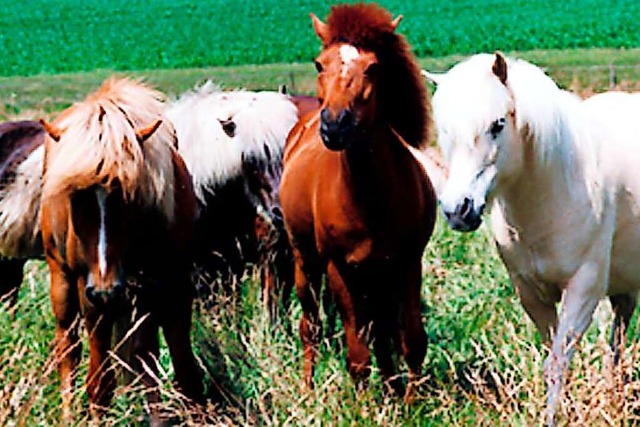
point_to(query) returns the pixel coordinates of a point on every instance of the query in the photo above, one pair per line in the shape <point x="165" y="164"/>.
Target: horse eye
<point x="318" y="66"/>
<point x="497" y="127"/>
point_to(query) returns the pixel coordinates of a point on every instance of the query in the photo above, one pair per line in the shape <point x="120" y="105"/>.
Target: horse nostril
<point x="344" y="118"/>
<point x="466" y="207"/>
<point x="90" y="294"/>
<point x="118" y="289"/>
<point x="325" y="115"/>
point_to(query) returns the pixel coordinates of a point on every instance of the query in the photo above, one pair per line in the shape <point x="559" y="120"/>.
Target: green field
<point x="43" y="36"/>
<point x="484" y="360"/>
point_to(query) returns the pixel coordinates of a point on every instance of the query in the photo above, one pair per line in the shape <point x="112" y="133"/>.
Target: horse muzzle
<point x="102" y="297"/>
<point x="465" y="216"/>
<point x="336" y="132"/>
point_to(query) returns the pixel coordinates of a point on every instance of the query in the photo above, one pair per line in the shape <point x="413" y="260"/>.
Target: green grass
<point x="35" y="96"/>
<point x="40" y="36"/>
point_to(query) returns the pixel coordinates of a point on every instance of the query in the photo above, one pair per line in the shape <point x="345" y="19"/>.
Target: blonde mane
<point x="262" y="121"/>
<point x="98" y="146"/>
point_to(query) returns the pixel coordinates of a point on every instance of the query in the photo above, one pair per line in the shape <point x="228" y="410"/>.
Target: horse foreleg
<point x="413" y="336"/>
<point x="176" y="326"/>
<point x="623" y="307"/>
<point x="542" y="312"/>
<point x="581" y="297"/>
<point x="10" y="279"/>
<point x="100" y="377"/>
<point x="145" y="348"/>
<point x="308" y="291"/>
<point x="385" y="332"/>
<point x="67" y="348"/>
<point x="358" y="356"/>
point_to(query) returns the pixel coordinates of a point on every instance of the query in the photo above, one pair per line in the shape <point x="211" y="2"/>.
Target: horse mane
<point x="545" y="114"/>
<point x="98" y="146"/>
<point x="261" y="123"/>
<point x="402" y="96"/>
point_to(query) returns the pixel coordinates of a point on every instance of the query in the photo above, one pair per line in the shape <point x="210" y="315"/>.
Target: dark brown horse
<point x="118" y="203"/>
<point x="357" y="205"/>
<point x="21" y="149"/>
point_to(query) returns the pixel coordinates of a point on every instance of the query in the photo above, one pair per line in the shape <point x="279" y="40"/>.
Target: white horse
<point x="561" y="177"/>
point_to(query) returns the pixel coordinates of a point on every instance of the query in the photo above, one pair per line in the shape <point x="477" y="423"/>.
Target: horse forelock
<point x="402" y="97"/>
<point x="470" y="97"/>
<point x="261" y="122"/>
<point x="99" y="146"/>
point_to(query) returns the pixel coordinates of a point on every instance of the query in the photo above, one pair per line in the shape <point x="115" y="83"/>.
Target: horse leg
<point x="358" y="356"/>
<point x="11" y="279"/>
<point x="308" y="291"/>
<point x="175" y="320"/>
<point x="384" y="339"/>
<point x="623" y="307"/>
<point x="542" y="312"/>
<point x="67" y="347"/>
<point x="100" y="378"/>
<point x="146" y="351"/>
<point x="412" y="334"/>
<point x="580" y="300"/>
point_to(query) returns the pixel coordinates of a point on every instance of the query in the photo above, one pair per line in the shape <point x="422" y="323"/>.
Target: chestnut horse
<point x="357" y="205"/>
<point x="21" y="153"/>
<point x="117" y="203"/>
<point x="232" y="143"/>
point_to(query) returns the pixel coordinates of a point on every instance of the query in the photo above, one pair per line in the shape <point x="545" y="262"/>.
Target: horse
<point x="21" y="155"/>
<point x="232" y="143"/>
<point x="558" y="175"/>
<point x="118" y="205"/>
<point x="357" y="204"/>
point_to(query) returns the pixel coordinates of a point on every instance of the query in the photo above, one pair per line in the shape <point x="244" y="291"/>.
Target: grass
<point x="40" y="36"/>
<point x="35" y="96"/>
<point x="484" y="360"/>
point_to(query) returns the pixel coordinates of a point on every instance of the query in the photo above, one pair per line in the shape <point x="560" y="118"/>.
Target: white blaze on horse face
<point x="348" y="54"/>
<point x="101" y="196"/>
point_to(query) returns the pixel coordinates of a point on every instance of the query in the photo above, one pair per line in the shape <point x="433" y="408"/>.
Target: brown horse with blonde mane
<point x="118" y="204"/>
<point x="357" y="204"/>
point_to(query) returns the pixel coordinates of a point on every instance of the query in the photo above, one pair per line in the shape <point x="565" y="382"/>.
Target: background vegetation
<point x="484" y="361"/>
<point x="44" y="36"/>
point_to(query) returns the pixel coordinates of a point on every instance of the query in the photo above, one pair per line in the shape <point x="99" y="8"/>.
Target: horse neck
<point x="550" y="191"/>
<point x="368" y="162"/>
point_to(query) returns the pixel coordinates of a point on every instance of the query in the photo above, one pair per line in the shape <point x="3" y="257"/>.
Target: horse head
<point x="261" y="177"/>
<point x="475" y="116"/>
<point x="346" y="87"/>
<point x="100" y="211"/>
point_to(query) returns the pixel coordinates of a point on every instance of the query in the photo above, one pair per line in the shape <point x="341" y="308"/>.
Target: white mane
<point x="20" y="210"/>
<point x="262" y="119"/>
<point x="547" y="113"/>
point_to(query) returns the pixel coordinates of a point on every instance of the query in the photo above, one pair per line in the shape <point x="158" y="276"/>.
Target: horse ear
<point x="500" y="67"/>
<point x="321" y="29"/>
<point x="396" y="22"/>
<point x="282" y="89"/>
<point x="434" y="78"/>
<point x="145" y="133"/>
<point x="53" y="131"/>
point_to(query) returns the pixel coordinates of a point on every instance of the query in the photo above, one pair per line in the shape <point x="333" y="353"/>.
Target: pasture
<point x="484" y="359"/>
<point x="483" y="365"/>
<point x="74" y="35"/>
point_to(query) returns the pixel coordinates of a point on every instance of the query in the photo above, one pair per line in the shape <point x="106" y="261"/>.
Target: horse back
<point x="17" y="141"/>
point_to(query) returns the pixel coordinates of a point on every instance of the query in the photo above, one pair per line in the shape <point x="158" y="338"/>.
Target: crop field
<point x="484" y="359"/>
<point x="40" y="36"/>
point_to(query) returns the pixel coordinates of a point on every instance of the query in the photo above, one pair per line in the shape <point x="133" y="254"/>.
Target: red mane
<point x="402" y="95"/>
